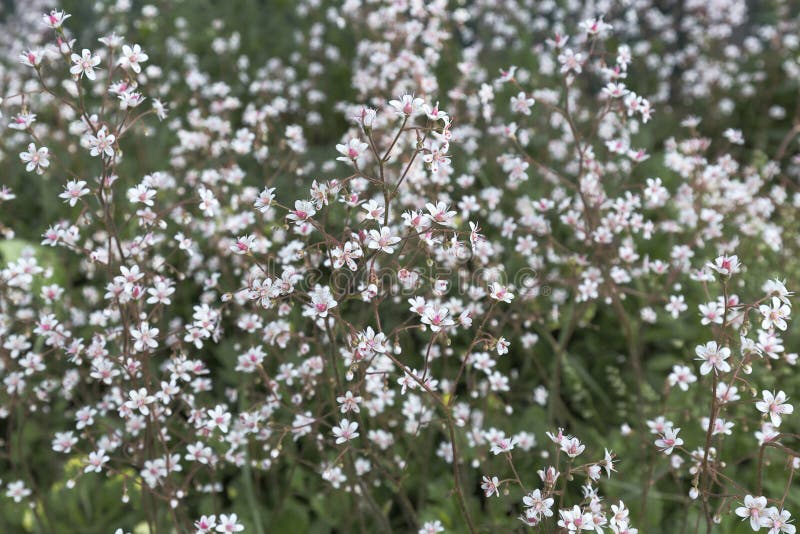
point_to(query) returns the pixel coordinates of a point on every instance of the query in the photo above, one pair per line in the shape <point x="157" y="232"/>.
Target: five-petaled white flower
<point x="713" y="357"/>
<point x="132" y="57"/>
<point x="726" y="265"/>
<point x="321" y="302"/>
<point x="17" y="491"/>
<point x="73" y="191"/>
<point x="55" y="18"/>
<point x="345" y="431"/>
<point x="383" y="240"/>
<point x="522" y="104"/>
<point x="570" y="61"/>
<point x="351" y="150"/>
<point x="774" y="315"/>
<point x="144" y="337"/>
<point x="36" y="159"/>
<point x="139" y="399"/>
<point x="229" y="523"/>
<point x="538" y="505"/>
<point x="219" y="417"/>
<point x="778" y="521"/>
<point x="243" y="244"/>
<point x="490" y="486"/>
<point x="84" y="64"/>
<point x="500" y="292"/>
<point x="96" y="461"/>
<point x="754" y="509"/>
<point x="407" y="105"/>
<point x="101" y="144"/>
<point x="669" y="440"/>
<point x="774" y="405"/>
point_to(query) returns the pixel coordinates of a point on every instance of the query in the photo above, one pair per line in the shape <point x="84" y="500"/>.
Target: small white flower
<point x="345" y="431"/>
<point x="774" y="405"/>
<point x="669" y="440"/>
<point x="84" y="64"/>
<point x="132" y="57"/>
<point x="713" y="357"/>
<point x="36" y="159"/>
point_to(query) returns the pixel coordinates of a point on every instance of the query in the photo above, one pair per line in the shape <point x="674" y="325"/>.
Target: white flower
<point x="139" y="399"/>
<point x="132" y="56"/>
<point x="73" y="191"/>
<point x="55" y="19"/>
<point x="570" y="61"/>
<point x="437" y="317"/>
<point x="713" y="357"/>
<point x="501" y="293"/>
<point x="431" y="527"/>
<point x="774" y="404"/>
<point x="218" y="418"/>
<point x="17" y="491"/>
<point x="64" y="441"/>
<point x="351" y="150"/>
<point x="303" y="210"/>
<point x="726" y="265"/>
<point x="522" y="104"/>
<point x="37" y="159"/>
<point x="711" y="313"/>
<point x="345" y="431"/>
<point x="84" y="64"/>
<point x="502" y="445"/>
<point x="101" y="144"/>
<point x="777" y="288"/>
<point x="754" y="509"/>
<point x="141" y="194"/>
<point x="669" y="440"/>
<point x="243" y="244"/>
<point x="407" y="105"/>
<point x="383" y="240"/>
<point x="676" y="305"/>
<point x="538" y="506"/>
<point x="572" y="447"/>
<point x="595" y="26"/>
<point x="321" y="302"/>
<point x="441" y="213"/>
<point x="681" y="376"/>
<point x="774" y="315"/>
<point x="265" y="198"/>
<point x="777" y="521"/>
<point x="229" y="523"/>
<point x="490" y="486"/>
<point x="31" y="58"/>
<point x="144" y="337"/>
<point x="96" y="461"/>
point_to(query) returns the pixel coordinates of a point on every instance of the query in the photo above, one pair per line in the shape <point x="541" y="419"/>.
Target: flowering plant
<point x="443" y="266"/>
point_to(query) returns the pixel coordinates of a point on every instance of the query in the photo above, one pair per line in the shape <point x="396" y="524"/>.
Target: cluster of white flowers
<point x="235" y="300"/>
